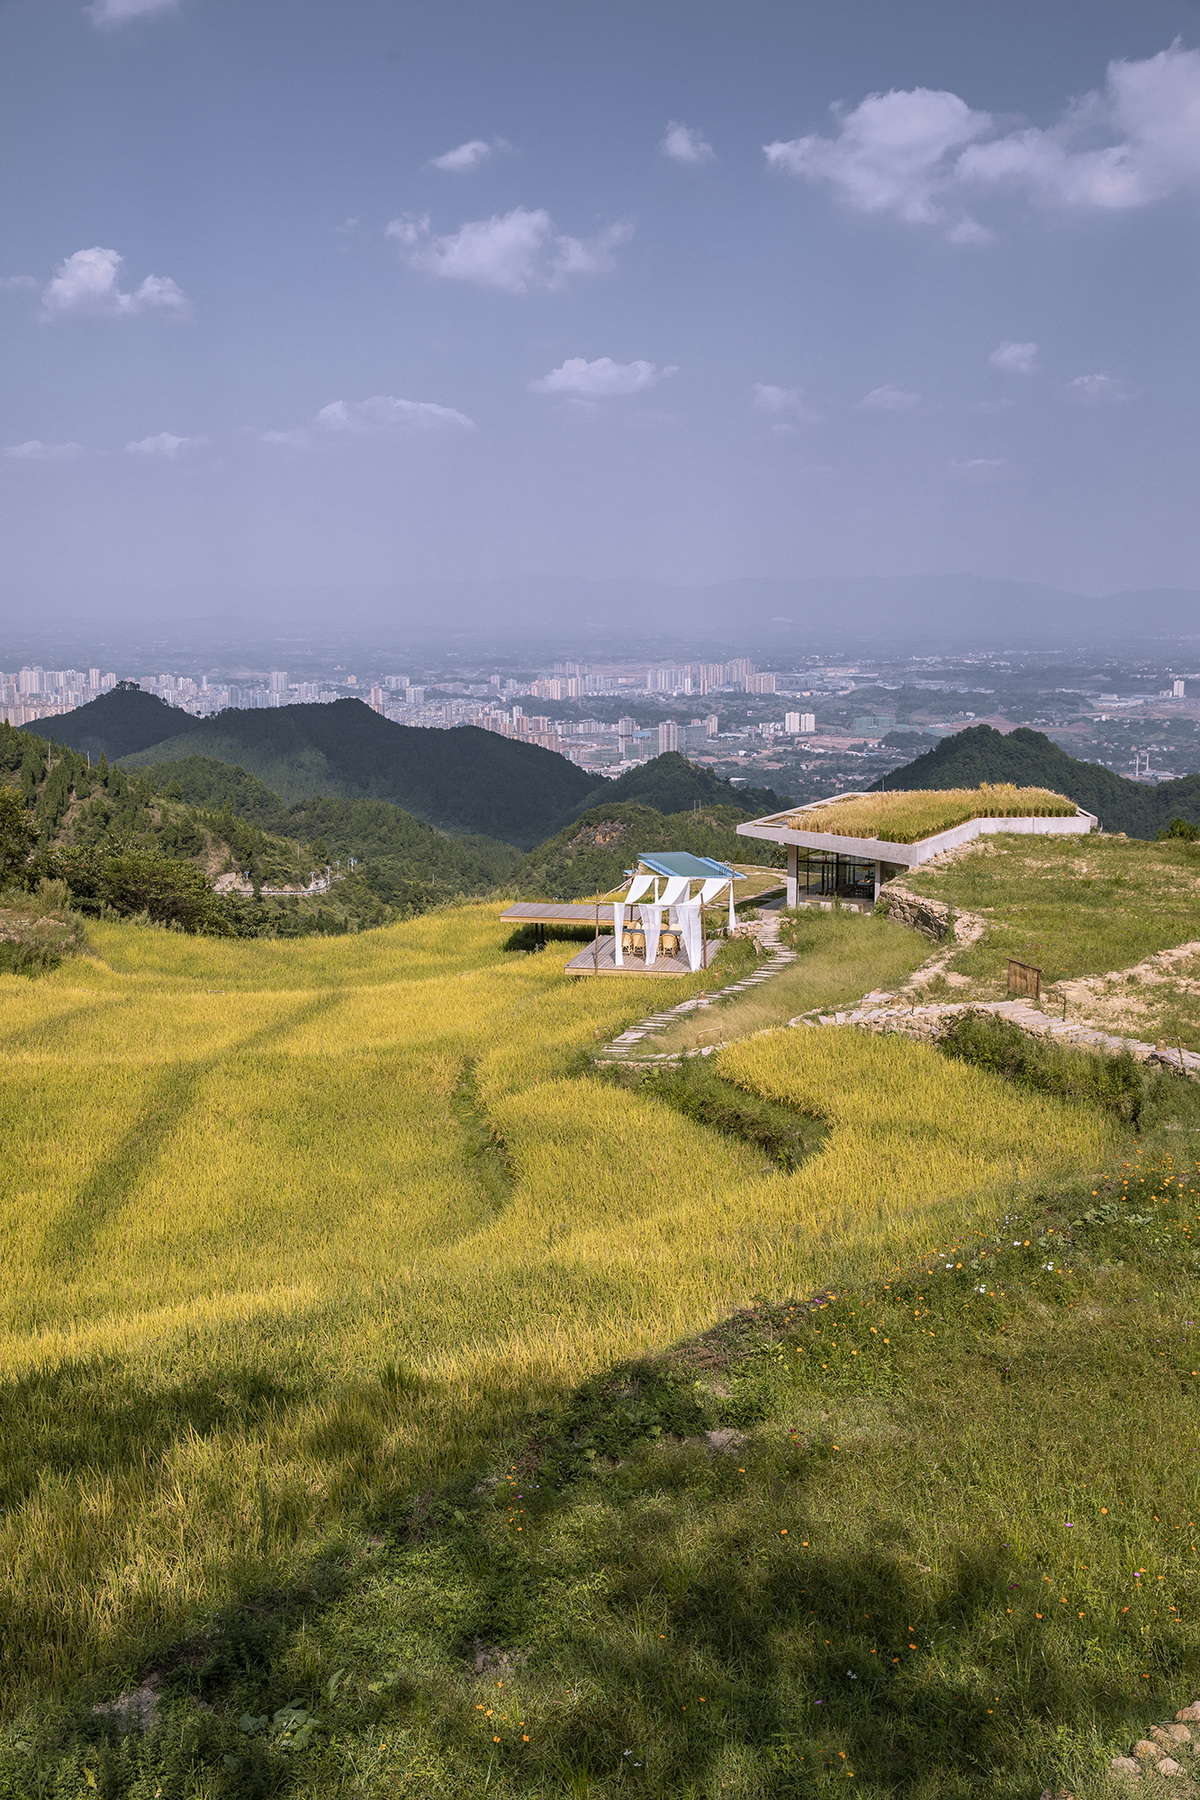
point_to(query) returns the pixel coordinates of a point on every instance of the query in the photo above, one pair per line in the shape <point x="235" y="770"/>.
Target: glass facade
<point x="820" y="875"/>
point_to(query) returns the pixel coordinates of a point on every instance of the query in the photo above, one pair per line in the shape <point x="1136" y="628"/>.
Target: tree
<point x="17" y="833"/>
<point x="169" y="892"/>
<point x="1180" y="828"/>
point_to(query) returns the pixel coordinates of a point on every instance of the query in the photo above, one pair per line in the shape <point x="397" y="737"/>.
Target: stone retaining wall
<point x="932" y="918"/>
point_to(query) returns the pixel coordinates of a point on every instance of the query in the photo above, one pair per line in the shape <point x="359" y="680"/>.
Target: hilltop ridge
<point x="1029" y="758"/>
<point x="462" y="780"/>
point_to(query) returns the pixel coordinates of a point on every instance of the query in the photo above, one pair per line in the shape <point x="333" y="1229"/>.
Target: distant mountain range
<point x="463" y="781"/>
<point x="1029" y="758"/>
<point x="783" y="615"/>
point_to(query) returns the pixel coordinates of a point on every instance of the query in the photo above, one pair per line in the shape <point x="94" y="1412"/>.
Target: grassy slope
<point x="842" y="956"/>
<point x="1073" y="906"/>
<point x="937" y="1561"/>
<point x="262" y="1279"/>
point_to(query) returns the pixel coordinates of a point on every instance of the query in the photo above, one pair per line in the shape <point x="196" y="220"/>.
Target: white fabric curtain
<point x="691" y="929"/>
<point x="651" y="917"/>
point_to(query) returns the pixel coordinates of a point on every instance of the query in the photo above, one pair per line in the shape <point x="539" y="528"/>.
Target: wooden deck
<point x="600" y="959"/>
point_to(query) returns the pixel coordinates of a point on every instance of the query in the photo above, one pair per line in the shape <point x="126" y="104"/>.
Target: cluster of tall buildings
<point x="36" y="693"/>
<point x="494" y="704"/>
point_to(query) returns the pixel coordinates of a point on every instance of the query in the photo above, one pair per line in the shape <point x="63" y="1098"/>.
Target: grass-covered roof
<point x="906" y="818"/>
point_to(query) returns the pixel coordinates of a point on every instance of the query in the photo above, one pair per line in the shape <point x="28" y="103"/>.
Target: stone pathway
<point x="766" y="930"/>
<point x="883" y="1012"/>
<point x="1162" y="1747"/>
<point x="903" y="1011"/>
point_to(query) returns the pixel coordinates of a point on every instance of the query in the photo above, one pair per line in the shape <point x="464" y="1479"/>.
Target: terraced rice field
<point x="291" y="1230"/>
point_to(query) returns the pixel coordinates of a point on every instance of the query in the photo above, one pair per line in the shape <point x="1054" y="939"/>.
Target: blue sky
<point x="313" y="300"/>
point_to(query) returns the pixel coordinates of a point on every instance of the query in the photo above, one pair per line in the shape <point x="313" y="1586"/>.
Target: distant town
<point x="814" y="727"/>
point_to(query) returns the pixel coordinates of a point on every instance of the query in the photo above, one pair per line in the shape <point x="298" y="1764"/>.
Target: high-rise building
<point x="760" y="684"/>
<point x="740" y="669"/>
<point x="668" y="736"/>
<point x="93" y="678"/>
<point x="711" y="675"/>
<point x="712" y="725"/>
<point x="279" y="681"/>
<point x="29" y="681"/>
<point x="1177" y="690"/>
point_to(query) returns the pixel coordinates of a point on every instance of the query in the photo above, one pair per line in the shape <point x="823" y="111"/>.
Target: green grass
<point x="291" y="1232"/>
<point x="842" y="956"/>
<point x="907" y="817"/>
<point x="1073" y="906"/>
<point x="946" y="1547"/>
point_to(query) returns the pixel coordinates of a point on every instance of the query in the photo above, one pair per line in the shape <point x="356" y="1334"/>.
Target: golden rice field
<point x="260" y="1284"/>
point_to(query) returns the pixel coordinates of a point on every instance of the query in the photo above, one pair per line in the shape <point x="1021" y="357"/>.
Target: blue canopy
<point x="682" y="862"/>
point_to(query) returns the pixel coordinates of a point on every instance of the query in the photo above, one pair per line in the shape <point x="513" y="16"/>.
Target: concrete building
<point x="824" y="865"/>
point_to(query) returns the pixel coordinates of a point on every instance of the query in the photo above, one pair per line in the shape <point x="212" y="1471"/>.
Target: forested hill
<point x="393" y="847"/>
<point x="153" y="841"/>
<point x="1031" y="759"/>
<point x="592" y="854"/>
<point x="671" y="784"/>
<point x="119" y="723"/>
<point x="463" y="780"/>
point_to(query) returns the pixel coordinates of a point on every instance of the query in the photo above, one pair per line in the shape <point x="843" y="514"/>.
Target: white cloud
<point x="378" y="415"/>
<point x="917" y="154"/>
<point x="466" y="157"/>
<point x="602" y="379"/>
<point x="109" y="14"/>
<point x="519" y="251"/>
<point x="890" y="398"/>
<point x="779" y="402"/>
<point x="382" y="412"/>
<point x="86" y="285"/>
<point x="1014" y="359"/>
<point x="684" y="144"/>
<point x="15" y="284"/>
<point x="1102" y="390"/>
<point x="164" y="444"/>
<point x="299" y="439"/>
<point x="980" y="470"/>
<point x="33" y="450"/>
<point x="890" y="154"/>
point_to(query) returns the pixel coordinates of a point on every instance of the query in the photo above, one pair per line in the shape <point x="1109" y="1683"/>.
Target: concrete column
<point x="878" y="880"/>
<point x="793" y="878"/>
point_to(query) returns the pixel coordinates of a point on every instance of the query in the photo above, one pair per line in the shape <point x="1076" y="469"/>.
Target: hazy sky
<point x="303" y="296"/>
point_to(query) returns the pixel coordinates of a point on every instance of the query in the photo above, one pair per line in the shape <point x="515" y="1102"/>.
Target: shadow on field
<point x="87" y="1416"/>
<point x="70" y="1234"/>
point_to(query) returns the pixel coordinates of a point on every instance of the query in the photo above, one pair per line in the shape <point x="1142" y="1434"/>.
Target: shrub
<point x="1116" y="1083"/>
